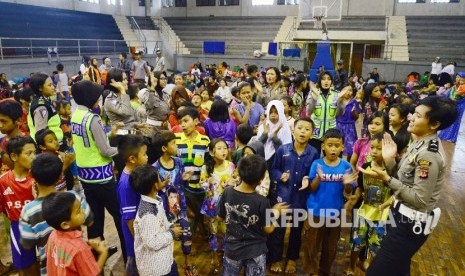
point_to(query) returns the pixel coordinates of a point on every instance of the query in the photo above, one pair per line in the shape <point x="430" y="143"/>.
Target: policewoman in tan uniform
<point x="416" y="182"/>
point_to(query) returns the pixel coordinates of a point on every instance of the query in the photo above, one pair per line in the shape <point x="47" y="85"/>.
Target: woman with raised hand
<point x="417" y="181"/>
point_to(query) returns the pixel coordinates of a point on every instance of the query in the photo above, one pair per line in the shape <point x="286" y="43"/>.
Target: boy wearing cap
<point x="159" y="62"/>
<point x="139" y="69"/>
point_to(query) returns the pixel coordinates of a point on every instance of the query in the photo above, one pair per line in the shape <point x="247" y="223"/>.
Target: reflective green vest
<point x="53" y="120"/>
<point x="324" y="114"/>
<point x="92" y="166"/>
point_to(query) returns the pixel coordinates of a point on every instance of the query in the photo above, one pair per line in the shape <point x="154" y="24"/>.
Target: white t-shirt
<point x="194" y="71"/>
<point x="160" y="64"/>
<point x="83" y="69"/>
<point x="449" y="69"/>
<point x="436" y="68"/>
<point x="63" y="79"/>
<point x="224" y="93"/>
<point x="169" y="87"/>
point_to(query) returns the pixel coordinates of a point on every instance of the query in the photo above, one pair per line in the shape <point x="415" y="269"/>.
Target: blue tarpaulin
<point x="273" y="48"/>
<point x="214" y="47"/>
<point x="291" y="52"/>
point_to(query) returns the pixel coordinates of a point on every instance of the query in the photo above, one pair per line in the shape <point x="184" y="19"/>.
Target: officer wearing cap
<point x="416" y="185"/>
<point x="159" y="62"/>
<point x="341" y="78"/>
<point x="140" y="69"/>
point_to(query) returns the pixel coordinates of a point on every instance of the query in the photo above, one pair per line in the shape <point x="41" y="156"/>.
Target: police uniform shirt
<point x="40" y="118"/>
<point x="420" y="174"/>
<point x="119" y="109"/>
<point x="99" y="135"/>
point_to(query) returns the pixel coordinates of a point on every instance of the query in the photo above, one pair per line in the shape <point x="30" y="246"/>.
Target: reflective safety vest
<point x="53" y="119"/>
<point x="92" y="166"/>
<point x="324" y="114"/>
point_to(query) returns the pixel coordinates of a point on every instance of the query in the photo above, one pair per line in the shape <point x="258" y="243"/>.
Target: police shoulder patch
<point x="433" y="145"/>
<point x="43" y="113"/>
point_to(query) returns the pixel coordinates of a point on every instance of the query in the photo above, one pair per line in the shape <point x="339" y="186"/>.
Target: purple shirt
<point x="347" y="116"/>
<point x="129" y="202"/>
<point x="362" y="149"/>
<point x="225" y="130"/>
<point x="255" y="113"/>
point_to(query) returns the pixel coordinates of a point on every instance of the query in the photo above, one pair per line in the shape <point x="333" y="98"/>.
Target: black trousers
<point x="445" y="78"/>
<point x="101" y="196"/>
<point x="397" y="248"/>
<point x="194" y="200"/>
<point x="435" y="78"/>
<point x="275" y="243"/>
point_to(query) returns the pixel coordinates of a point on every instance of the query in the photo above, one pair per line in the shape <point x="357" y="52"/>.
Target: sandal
<point x="290" y="267"/>
<point x="214" y="267"/>
<point x="6" y="269"/>
<point x="190" y="270"/>
<point x="348" y="272"/>
<point x="276" y="267"/>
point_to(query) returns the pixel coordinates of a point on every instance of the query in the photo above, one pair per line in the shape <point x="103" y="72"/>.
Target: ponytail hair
<point x="209" y="160"/>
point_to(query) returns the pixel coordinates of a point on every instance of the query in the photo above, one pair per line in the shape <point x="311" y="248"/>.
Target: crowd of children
<point x="232" y="151"/>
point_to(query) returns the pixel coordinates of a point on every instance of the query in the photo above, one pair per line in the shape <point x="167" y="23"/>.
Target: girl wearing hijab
<point x="93" y="73"/>
<point x="178" y="96"/>
<point x="275" y="131"/>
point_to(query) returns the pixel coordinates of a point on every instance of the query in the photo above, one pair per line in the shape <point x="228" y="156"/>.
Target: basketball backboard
<point x="330" y="10"/>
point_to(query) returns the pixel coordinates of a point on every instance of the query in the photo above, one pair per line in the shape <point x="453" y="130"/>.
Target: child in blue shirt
<point x="133" y="149"/>
<point x="171" y="171"/>
<point x="331" y="180"/>
<point x="286" y="175"/>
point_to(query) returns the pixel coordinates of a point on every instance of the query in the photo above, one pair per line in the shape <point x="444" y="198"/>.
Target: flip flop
<point x="190" y="270"/>
<point x="6" y="269"/>
<point x="348" y="273"/>
<point x="290" y="267"/>
<point x="276" y="267"/>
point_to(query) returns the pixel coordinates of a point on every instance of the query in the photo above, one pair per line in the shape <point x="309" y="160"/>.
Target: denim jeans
<point x="253" y="267"/>
<point x="66" y="96"/>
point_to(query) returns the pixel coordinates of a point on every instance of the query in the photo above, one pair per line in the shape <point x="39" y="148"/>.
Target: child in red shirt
<point x="64" y="110"/>
<point x="16" y="190"/>
<point x="67" y="252"/>
<point x="24" y="97"/>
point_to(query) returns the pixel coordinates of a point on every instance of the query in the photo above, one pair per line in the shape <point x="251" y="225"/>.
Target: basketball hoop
<point x="318" y="23"/>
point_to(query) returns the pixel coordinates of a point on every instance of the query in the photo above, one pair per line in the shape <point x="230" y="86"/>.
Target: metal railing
<point x="38" y="47"/>
<point x="388" y="49"/>
<point x="169" y="34"/>
<point x="292" y="32"/>
<point x="140" y="35"/>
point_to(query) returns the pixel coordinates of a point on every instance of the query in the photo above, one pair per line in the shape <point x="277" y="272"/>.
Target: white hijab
<point x="284" y="133"/>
